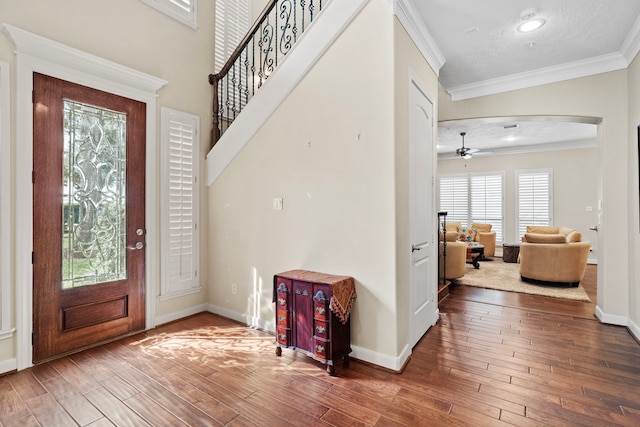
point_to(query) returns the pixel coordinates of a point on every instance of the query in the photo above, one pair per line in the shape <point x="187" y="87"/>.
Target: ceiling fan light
<point x="467" y="156"/>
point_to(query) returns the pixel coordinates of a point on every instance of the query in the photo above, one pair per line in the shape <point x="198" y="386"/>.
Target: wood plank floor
<point x="493" y="359"/>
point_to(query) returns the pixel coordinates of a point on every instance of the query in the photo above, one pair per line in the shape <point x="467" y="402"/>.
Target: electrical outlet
<point x="233" y="288"/>
<point x="277" y="203"/>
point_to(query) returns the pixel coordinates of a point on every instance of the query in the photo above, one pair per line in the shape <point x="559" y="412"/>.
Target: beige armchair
<point x="456" y="259"/>
<point x="552" y="254"/>
<point x="486" y="237"/>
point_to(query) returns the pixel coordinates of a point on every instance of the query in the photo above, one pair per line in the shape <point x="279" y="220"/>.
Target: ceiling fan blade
<point x="472" y="150"/>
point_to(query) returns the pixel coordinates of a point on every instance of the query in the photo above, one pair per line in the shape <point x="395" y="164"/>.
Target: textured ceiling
<point x="508" y="135"/>
<point x="480" y="42"/>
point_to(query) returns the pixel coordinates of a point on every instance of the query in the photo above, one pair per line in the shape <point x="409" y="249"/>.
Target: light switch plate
<point x="277" y="203"/>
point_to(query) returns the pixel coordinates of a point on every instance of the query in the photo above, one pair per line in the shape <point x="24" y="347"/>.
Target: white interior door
<point x="423" y="304"/>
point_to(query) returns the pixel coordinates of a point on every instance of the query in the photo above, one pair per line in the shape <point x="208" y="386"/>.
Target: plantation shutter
<point x="231" y="25"/>
<point x="453" y="192"/>
<point x="486" y="201"/>
<point x="534" y="198"/>
<point x="180" y="204"/>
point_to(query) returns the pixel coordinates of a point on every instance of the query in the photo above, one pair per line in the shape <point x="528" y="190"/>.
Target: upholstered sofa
<point x="456" y="258"/>
<point x="552" y="254"/>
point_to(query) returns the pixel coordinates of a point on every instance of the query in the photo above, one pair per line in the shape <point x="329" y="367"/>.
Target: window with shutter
<point x="534" y="198"/>
<point x="453" y="193"/>
<point x="231" y="25"/>
<point x="473" y="198"/>
<point x="487" y="194"/>
<point x="180" y="201"/>
<point x="184" y="11"/>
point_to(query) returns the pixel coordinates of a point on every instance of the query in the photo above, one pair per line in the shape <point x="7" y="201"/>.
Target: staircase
<point x="269" y="40"/>
<point x="261" y="56"/>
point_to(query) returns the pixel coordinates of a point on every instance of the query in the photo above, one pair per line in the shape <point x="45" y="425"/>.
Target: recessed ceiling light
<point x="531" y="25"/>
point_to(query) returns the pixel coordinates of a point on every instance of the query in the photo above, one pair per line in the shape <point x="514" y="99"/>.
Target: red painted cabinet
<point x="305" y="321"/>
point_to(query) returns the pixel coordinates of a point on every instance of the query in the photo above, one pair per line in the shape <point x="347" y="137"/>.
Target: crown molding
<point x="44" y="49"/>
<point x="572" y="70"/>
<point x="631" y="45"/>
<point x="410" y="19"/>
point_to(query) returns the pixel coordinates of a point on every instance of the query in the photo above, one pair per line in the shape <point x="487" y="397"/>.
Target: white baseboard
<point x="8" y="366"/>
<point x="180" y="314"/>
<point x="611" y="319"/>
<point x="634" y="329"/>
<point x="379" y="359"/>
<point x="251" y="321"/>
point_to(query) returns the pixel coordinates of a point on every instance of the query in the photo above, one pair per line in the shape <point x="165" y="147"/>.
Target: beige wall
<point x="574" y="186"/>
<point x="328" y="152"/>
<point x="634" y="227"/>
<point x="603" y="96"/>
<point x="137" y="36"/>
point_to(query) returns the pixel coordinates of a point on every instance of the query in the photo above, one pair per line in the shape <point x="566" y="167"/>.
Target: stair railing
<point x="281" y="24"/>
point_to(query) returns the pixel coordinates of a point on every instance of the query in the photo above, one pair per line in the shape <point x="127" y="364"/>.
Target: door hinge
<point x="33" y="177"/>
<point x="33" y="257"/>
<point x="33" y="338"/>
<point x="33" y="96"/>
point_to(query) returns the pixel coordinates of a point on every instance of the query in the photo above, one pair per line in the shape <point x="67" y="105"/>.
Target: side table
<point x="312" y="315"/>
<point x="510" y="252"/>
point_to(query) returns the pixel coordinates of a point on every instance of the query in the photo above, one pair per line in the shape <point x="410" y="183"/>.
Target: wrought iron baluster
<point x="228" y="101"/>
<point x="311" y="8"/>
<point x="253" y="65"/>
<point x="285" y="15"/>
<point x="246" y="73"/>
<point x="302" y="4"/>
<point x="295" y="22"/>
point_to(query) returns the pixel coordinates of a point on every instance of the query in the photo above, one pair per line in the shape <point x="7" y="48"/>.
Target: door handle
<point x="137" y="246"/>
<point x="594" y="228"/>
<point x="419" y="247"/>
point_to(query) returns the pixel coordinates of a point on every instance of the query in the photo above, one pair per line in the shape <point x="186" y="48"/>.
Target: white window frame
<point x="185" y="11"/>
<point x="464" y="204"/>
<point x="548" y="173"/>
<point x="180" y="133"/>
<point x="6" y="331"/>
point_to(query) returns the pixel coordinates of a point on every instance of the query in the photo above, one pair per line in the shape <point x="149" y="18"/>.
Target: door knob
<point x="594" y="228"/>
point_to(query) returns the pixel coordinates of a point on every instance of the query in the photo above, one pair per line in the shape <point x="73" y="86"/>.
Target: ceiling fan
<point x="464" y="152"/>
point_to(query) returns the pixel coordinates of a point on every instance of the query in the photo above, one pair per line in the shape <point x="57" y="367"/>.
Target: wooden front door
<point x="88" y="216"/>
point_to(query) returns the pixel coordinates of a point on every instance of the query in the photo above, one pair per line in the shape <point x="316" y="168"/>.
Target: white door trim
<point x="38" y="54"/>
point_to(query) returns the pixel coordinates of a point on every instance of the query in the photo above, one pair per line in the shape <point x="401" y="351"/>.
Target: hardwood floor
<point x="493" y="359"/>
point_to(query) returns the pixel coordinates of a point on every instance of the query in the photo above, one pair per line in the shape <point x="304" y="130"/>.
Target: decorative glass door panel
<point x="94" y="227"/>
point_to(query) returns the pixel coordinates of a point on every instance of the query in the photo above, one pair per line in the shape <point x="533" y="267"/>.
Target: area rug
<point x="497" y="274"/>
